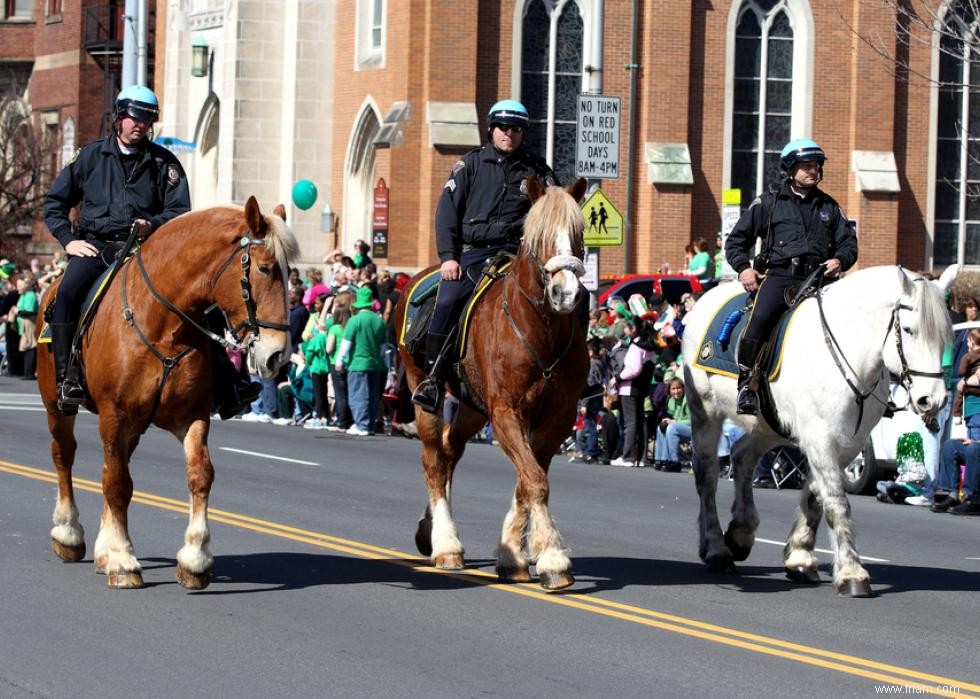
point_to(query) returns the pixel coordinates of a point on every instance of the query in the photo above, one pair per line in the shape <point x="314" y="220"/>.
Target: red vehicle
<point x="672" y="286"/>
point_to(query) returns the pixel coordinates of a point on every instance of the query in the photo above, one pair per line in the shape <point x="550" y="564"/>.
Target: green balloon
<point x="304" y="194"/>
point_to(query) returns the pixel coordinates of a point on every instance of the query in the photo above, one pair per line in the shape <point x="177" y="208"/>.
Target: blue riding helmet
<point x="138" y="102"/>
<point x="508" y="113"/>
<point x="800" y="150"/>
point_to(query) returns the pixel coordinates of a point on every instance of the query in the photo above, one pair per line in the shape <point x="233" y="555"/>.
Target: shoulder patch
<point x="173" y="176"/>
<point x="757" y="200"/>
<point x="74" y="156"/>
<point x="458" y="166"/>
<point x="450" y="185"/>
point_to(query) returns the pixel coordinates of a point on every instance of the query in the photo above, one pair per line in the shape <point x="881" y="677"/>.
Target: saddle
<point x="421" y="307"/>
<point x="716" y="351"/>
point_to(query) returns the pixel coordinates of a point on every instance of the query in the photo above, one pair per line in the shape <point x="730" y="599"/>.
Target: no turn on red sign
<point x="597" y="137"/>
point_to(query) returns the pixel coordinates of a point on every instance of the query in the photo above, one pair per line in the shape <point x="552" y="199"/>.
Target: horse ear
<point x="948" y="276"/>
<point x="577" y="190"/>
<point x="254" y="218"/>
<point x="280" y="211"/>
<point x="534" y="188"/>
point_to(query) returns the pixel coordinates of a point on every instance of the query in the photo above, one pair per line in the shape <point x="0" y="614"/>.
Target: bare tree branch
<point x="28" y="158"/>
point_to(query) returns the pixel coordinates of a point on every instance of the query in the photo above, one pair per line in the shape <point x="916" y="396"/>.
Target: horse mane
<point x="555" y="212"/>
<point x="897" y="282"/>
<point x="931" y="304"/>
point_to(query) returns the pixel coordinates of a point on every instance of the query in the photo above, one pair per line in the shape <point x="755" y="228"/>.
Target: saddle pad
<point x="715" y="359"/>
<point x="426" y="287"/>
<point x="95" y="292"/>
<point x="417" y="294"/>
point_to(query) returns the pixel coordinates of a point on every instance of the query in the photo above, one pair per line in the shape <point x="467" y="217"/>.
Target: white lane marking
<point x="22" y="408"/>
<point x="269" y="456"/>
<point x="863" y="557"/>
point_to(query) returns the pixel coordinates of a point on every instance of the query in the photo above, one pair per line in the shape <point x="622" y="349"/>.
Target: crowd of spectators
<point x="21" y="291"/>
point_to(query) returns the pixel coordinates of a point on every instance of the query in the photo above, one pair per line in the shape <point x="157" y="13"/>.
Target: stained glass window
<point x="956" y="234"/>
<point x="763" y="94"/>
<point x="541" y="73"/>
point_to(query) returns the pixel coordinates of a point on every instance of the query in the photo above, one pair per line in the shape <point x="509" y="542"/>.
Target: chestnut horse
<point x="526" y="363"/>
<point x="147" y="361"/>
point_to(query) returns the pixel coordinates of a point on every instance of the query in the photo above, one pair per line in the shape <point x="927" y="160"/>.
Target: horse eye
<point x="907" y="330"/>
<point x="264" y="269"/>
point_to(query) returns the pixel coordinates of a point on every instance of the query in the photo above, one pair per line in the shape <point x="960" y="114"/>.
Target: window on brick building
<point x="53" y="9"/>
<point x="762" y="107"/>
<point x="370" y="33"/>
<point x="552" y="80"/>
<point x="957" y="203"/>
<point x="18" y="9"/>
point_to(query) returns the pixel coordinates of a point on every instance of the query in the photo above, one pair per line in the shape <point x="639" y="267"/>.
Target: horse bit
<point x="250" y="325"/>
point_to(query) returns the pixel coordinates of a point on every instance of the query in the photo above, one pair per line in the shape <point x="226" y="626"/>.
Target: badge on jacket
<point x="173" y="176"/>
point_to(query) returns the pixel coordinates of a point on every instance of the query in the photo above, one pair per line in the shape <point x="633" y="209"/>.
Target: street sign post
<point x="597" y="137"/>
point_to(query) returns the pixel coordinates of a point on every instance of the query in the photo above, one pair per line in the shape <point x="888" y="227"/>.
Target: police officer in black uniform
<point x="480" y="214"/>
<point x="120" y="181"/>
<point x="802" y="228"/>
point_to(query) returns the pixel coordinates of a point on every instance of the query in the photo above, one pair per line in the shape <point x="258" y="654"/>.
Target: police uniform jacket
<point x="156" y="190"/>
<point x="485" y="200"/>
<point x="812" y="227"/>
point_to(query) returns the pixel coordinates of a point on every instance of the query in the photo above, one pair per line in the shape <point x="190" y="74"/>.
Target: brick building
<point x="713" y="81"/>
<point x="65" y="56"/>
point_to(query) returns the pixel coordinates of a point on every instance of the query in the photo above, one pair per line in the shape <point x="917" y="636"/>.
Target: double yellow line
<point x="830" y="660"/>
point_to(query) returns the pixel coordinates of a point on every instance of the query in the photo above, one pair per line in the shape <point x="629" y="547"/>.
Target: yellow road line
<point x="818" y="657"/>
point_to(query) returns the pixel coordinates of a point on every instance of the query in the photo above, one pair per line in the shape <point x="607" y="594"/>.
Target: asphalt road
<point x="318" y="591"/>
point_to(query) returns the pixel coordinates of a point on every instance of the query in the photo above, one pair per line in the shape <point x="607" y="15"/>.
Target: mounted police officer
<point x="480" y="214"/>
<point x="122" y="181"/>
<point x="802" y="228"/>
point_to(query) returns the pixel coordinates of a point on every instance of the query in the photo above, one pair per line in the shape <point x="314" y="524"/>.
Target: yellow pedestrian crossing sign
<point x="603" y="222"/>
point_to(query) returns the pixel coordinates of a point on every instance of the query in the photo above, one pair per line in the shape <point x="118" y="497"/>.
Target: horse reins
<point x="905" y="377"/>
<point x="251" y="325"/>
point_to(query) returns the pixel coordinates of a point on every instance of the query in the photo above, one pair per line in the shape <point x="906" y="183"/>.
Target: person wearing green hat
<point x="363" y="339"/>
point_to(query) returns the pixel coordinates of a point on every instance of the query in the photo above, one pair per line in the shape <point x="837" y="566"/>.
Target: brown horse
<point x="155" y="367"/>
<point x="526" y="362"/>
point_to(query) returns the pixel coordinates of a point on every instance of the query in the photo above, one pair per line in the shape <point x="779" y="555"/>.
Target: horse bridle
<point x="251" y="325"/>
<point x="905" y="377"/>
<point x="546" y="371"/>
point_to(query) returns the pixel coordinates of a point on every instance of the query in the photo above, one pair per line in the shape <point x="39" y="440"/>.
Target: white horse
<point x="831" y="390"/>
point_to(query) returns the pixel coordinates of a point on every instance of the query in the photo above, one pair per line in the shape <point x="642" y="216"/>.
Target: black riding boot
<point x="231" y="389"/>
<point x="428" y="393"/>
<point x="70" y="391"/>
<point x="748" y="400"/>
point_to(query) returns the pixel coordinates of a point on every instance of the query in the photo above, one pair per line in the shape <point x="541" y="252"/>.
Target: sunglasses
<point x="507" y="127"/>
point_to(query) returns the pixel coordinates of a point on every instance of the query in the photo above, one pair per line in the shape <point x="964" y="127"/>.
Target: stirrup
<point x="426" y="395"/>
<point x="747" y="402"/>
<point x="70" y="394"/>
<point x="237" y="396"/>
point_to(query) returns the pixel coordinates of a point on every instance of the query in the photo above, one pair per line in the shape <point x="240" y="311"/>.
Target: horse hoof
<point x="513" y="575"/>
<point x="555" y="581"/>
<point x="423" y="536"/>
<point x="125" y="581"/>
<point x="854" y="588"/>
<point x="193" y="581"/>
<point x="719" y="564"/>
<point x="449" y="561"/>
<point x="72" y="554"/>
<point x="803" y="576"/>
<point x="101" y="565"/>
<point x="739" y="553"/>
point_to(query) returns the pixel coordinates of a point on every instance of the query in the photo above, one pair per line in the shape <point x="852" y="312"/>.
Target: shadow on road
<point x="267" y="572"/>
